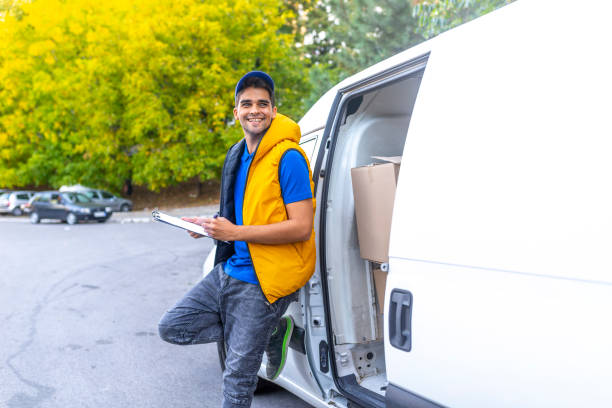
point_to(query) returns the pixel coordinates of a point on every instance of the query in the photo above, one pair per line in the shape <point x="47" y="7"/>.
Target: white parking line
<point x="133" y="220"/>
<point x="14" y="219"/>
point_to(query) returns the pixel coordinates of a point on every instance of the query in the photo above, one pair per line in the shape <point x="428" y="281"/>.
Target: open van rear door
<point x="369" y="120"/>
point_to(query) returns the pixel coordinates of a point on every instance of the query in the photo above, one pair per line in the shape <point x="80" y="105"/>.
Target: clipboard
<point x="177" y="222"/>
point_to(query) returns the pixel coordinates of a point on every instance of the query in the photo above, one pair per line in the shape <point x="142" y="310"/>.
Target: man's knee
<point x="172" y="335"/>
<point x="168" y="330"/>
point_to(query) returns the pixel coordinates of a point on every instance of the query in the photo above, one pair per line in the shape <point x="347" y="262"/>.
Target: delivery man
<point x="266" y="220"/>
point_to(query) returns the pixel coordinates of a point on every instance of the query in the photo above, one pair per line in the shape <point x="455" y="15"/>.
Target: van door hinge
<point x="400" y="319"/>
<point x="314" y="286"/>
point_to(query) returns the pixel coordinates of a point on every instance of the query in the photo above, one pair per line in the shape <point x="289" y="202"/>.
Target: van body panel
<point x="508" y="153"/>
<point x="486" y="338"/>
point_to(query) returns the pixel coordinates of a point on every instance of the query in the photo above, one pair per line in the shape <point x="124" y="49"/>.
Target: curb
<point x="145" y="216"/>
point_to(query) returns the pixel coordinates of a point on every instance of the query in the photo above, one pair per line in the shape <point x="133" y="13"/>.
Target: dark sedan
<point x="69" y="207"/>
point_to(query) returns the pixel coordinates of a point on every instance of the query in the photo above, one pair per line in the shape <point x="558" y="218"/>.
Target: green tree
<point x="100" y="92"/>
<point x="436" y="16"/>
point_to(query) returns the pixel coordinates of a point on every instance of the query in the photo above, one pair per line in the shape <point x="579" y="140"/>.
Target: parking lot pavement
<point x="79" y="306"/>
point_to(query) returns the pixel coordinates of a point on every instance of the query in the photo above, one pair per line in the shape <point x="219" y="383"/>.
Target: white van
<point x="499" y="272"/>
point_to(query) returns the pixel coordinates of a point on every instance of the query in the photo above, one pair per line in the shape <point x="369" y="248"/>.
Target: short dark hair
<point x="254" y="82"/>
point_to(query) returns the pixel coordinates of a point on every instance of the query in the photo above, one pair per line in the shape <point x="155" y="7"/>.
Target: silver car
<point x="102" y="197"/>
<point x="11" y="201"/>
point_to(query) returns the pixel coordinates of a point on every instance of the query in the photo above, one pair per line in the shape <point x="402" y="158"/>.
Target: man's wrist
<point x="237" y="234"/>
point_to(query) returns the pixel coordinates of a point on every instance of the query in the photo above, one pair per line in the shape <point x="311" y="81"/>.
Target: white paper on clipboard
<point x="177" y="222"/>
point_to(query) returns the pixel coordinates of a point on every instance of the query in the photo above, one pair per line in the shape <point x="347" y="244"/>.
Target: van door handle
<point x="400" y="319"/>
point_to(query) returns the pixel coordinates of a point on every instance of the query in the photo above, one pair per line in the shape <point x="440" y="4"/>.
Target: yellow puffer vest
<point x="284" y="268"/>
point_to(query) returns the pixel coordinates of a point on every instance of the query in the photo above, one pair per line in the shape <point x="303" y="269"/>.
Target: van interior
<point x="374" y="123"/>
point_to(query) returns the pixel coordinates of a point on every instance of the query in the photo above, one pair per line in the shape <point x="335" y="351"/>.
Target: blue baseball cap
<point x="254" y="74"/>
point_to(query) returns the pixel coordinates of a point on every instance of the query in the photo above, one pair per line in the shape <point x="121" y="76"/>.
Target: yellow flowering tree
<point x="100" y="92"/>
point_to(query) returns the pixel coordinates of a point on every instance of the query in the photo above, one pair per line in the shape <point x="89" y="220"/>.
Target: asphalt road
<point x="79" y="307"/>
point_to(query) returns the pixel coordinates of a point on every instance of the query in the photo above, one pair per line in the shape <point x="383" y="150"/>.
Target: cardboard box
<point x="374" y="193"/>
<point x="380" y="284"/>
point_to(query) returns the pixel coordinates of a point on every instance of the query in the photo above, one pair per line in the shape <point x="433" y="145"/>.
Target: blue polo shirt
<point x="295" y="186"/>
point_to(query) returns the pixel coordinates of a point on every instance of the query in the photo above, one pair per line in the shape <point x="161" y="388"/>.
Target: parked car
<point x="498" y="283"/>
<point x="102" y="196"/>
<point x="70" y="207"/>
<point x="4" y="195"/>
<point x="10" y="202"/>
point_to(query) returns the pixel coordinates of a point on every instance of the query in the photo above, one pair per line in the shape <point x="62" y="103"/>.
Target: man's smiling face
<point x="254" y="111"/>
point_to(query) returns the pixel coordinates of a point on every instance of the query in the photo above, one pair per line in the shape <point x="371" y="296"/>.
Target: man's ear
<point x="273" y="112"/>
<point x="236" y="114"/>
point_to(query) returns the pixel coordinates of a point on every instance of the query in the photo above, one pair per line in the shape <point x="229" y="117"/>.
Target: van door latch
<point x="400" y="319"/>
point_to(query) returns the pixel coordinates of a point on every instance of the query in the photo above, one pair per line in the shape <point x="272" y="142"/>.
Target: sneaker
<point x="277" y="347"/>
